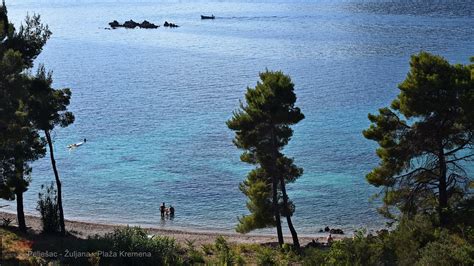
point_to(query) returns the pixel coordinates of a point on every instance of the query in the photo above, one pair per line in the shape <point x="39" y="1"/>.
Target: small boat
<point x="207" y="17"/>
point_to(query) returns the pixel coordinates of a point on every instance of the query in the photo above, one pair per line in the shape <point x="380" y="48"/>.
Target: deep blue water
<point x="153" y="103"/>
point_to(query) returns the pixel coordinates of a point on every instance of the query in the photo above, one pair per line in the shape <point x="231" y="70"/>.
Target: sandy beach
<point x="87" y="229"/>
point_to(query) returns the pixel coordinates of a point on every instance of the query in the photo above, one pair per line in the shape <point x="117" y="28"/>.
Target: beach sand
<point x="87" y="229"/>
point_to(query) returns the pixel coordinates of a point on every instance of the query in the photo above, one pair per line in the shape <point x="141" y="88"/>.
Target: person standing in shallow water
<point x="162" y="209"/>
<point x="171" y="211"/>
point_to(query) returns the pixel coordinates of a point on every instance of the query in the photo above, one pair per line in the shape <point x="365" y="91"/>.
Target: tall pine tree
<point x="426" y="138"/>
<point x="262" y="130"/>
<point x="19" y="140"/>
<point x="49" y="109"/>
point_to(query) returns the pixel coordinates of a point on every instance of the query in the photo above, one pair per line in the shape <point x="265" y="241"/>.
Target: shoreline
<point x="88" y="229"/>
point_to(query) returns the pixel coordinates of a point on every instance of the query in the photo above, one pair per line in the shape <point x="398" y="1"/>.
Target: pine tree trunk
<point x="20" y="212"/>
<point x="276" y="209"/>
<point x="276" y="212"/>
<point x="294" y="235"/>
<point x="58" y="183"/>
<point x="442" y="190"/>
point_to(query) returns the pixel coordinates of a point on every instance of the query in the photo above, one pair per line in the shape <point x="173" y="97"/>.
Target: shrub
<point x="415" y="241"/>
<point x="448" y="249"/>
<point x="193" y="255"/>
<point x="314" y="256"/>
<point x="239" y="260"/>
<point x="208" y="249"/>
<point x="144" y="250"/>
<point x="224" y="252"/>
<point x="48" y="208"/>
<point x="265" y="256"/>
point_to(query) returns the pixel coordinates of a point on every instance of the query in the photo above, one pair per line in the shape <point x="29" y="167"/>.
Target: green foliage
<point x="447" y="249"/>
<point x="19" y="139"/>
<point x="262" y="129"/>
<point x="225" y="254"/>
<point x="47" y="109"/>
<point x="208" y="249"/>
<point x="265" y="257"/>
<point x="258" y="191"/>
<point x="134" y="240"/>
<point x="415" y="241"/>
<point x="463" y="214"/>
<point x="192" y="254"/>
<point x="314" y="256"/>
<point x="48" y="208"/>
<point x="48" y="106"/>
<point x="425" y="138"/>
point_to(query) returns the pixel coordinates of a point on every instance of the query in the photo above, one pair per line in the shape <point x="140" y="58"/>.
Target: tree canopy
<point x="20" y="142"/>
<point x="425" y="139"/>
<point x="28" y="104"/>
<point x="49" y="109"/>
<point x="262" y="129"/>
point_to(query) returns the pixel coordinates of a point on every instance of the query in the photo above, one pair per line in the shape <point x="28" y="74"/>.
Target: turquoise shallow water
<point x="153" y="103"/>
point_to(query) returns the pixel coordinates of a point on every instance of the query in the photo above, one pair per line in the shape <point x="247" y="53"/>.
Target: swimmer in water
<point x="75" y="145"/>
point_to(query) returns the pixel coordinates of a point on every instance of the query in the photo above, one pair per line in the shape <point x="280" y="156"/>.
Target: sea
<point x="153" y="103"/>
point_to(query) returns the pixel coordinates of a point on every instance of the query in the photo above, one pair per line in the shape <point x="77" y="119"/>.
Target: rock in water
<point x="114" y="24"/>
<point x="147" y="25"/>
<point x="169" y="24"/>
<point x="336" y="231"/>
<point x="130" y="24"/>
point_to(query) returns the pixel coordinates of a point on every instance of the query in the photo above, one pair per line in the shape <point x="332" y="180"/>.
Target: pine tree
<point x="19" y="140"/>
<point x="49" y="109"/>
<point x="425" y="138"/>
<point x="262" y="129"/>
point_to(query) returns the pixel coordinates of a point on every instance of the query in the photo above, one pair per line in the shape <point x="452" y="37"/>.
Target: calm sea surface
<point x="153" y="103"/>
